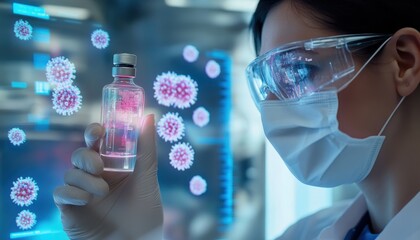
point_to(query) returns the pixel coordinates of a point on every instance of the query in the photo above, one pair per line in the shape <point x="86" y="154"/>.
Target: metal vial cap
<point x="124" y="65"/>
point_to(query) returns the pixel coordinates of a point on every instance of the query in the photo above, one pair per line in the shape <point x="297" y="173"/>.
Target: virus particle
<point x="128" y="101"/>
<point x="25" y="220"/>
<point x="190" y="53"/>
<point x="185" y="93"/>
<point x="198" y="185"/>
<point x="100" y="39"/>
<point x="24" y="191"/>
<point x="181" y="156"/>
<point x="171" y="127"/>
<point x="23" y="30"/>
<point x="212" y="69"/>
<point x="201" y="117"/>
<point x="16" y="136"/>
<point x="164" y="88"/>
<point x="67" y="100"/>
<point x="60" y="72"/>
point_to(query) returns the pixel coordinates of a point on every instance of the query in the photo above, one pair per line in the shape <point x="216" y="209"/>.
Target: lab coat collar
<point x="405" y="225"/>
<point x="348" y="219"/>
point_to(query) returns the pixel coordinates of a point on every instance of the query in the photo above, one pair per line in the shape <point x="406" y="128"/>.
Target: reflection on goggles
<point x="301" y="68"/>
<point x="297" y="75"/>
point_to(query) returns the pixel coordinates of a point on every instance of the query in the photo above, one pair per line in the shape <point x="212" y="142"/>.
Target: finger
<point x="88" y="160"/>
<point x="70" y="195"/>
<point x="146" y="149"/>
<point x="91" y="184"/>
<point x="93" y="134"/>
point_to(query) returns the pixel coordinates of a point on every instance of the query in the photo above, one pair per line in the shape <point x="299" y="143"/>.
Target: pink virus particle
<point x="201" y="117"/>
<point x="24" y="191"/>
<point x="198" y="185"/>
<point x="181" y="156"/>
<point x="185" y="92"/>
<point x="66" y="100"/>
<point x="17" y="136"/>
<point x="100" y="39"/>
<point x="26" y="220"/>
<point x="60" y="71"/>
<point x="171" y="127"/>
<point x="164" y="88"/>
<point x="190" y="53"/>
<point x="212" y="69"/>
<point x="23" y="30"/>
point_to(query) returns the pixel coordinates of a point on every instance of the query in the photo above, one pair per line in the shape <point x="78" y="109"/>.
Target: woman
<point x="336" y="84"/>
<point x="368" y="82"/>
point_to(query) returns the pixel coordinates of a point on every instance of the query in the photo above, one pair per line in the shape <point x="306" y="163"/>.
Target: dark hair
<point x="347" y="16"/>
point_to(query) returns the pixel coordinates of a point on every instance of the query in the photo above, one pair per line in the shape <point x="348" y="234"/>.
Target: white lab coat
<point x="334" y="223"/>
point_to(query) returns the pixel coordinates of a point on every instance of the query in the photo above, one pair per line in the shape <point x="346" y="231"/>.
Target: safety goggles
<point x="298" y="69"/>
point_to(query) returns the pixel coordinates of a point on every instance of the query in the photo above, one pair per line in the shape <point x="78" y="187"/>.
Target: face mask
<point x="306" y="135"/>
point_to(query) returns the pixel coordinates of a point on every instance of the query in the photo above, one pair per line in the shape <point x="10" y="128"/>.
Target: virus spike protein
<point x="190" y="53"/>
<point x="171" y="127"/>
<point x="164" y="88"/>
<point x="24" y="191"/>
<point x="212" y="69"/>
<point x="60" y="72"/>
<point x="17" y="136"/>
<point x="181" y="156"/>
<point x="67" y="100"/>
<point x="201" y="117"/>
<point x="26" y="220"/>
<point x="23" y="30"/>
<point x="185" y="92"/>
<point x="198" y="185"/>
<point x="100" y="39"/>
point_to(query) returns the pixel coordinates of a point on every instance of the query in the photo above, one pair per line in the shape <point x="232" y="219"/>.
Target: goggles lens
<point x="300" y="68"/>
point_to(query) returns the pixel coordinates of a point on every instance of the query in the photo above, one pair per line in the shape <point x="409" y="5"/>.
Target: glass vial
<point x="122" y="110"/>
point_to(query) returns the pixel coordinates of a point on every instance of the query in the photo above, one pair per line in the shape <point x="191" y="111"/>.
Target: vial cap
<point x="125" y="59"/>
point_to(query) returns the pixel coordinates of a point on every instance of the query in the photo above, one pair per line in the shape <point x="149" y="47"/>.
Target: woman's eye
<point x="306" y="71"/>
<point x="300" y="72"/>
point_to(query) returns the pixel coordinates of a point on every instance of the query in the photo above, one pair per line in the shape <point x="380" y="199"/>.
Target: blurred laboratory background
<point x="247" y="193"/>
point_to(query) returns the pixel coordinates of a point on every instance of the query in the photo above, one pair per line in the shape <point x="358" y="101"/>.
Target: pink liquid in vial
<point x="122" y="112"/>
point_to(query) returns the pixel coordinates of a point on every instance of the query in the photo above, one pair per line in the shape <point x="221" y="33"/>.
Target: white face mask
<point x="306" y="135"/>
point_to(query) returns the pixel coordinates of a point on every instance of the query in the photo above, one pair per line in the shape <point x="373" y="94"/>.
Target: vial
<point x="122" y="111"/>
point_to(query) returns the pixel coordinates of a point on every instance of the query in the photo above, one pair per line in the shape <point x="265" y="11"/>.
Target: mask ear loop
<point x="365" y="64"/>
<point x="360" y="70"/>
<point x="390" y="117"/>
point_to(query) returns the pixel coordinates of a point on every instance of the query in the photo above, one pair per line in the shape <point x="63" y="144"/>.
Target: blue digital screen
<point x="30" y="11"/>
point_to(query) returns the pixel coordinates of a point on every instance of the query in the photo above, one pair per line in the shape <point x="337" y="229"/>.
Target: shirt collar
<point x="402" y="226"/>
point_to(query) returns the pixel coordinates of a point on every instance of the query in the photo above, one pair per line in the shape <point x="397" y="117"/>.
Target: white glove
<point x="97" y="204"/>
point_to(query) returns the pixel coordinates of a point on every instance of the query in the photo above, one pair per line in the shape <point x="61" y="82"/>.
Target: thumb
<point x="146" y="147"/>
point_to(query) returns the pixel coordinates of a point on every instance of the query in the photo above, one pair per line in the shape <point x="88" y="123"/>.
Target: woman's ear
<point x="406" y="52"/>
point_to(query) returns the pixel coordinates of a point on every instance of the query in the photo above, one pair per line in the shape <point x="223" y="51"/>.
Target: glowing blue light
<point x="26" y="234"/>
<point x="42" y="88"/>
<point x="41" y="60"/>
<point x="226" y="164"/>
<point x="15" y="84"/>
<point x="31" y="11"/>
<point x="211" y="141"/>
<point x="226" y="210"/>
<point x="227" y="220"/>
<point x="42" y="35"/>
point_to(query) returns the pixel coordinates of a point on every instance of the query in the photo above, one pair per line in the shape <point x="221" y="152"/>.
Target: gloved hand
<point x="97" y="204"/>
